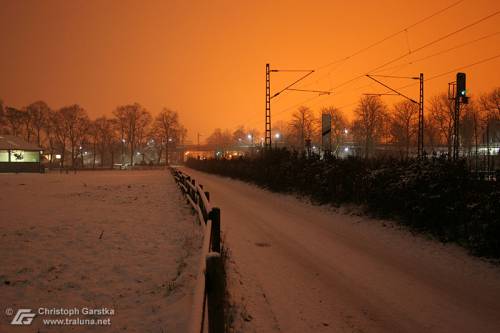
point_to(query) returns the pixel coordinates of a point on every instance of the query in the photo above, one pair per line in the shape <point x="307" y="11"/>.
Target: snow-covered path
<point x="303" y="268"/>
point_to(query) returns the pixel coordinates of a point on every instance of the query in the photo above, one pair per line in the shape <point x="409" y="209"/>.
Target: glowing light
<point x="346" y="131"/>
<point x="346" y="149"/>
<point x="58" y="156"/>
<point x="277" y="135"/>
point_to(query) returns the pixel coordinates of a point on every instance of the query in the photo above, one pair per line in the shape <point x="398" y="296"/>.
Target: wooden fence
<point x="208" y="302"/>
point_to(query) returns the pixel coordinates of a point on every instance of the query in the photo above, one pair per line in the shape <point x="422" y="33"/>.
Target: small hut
<point x="17" y="155"/>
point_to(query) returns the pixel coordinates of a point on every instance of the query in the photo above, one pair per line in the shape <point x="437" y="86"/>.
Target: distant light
<point x="462" y="92"/>
<point x="123" y="140"/>
<point x="346" y="131"/>
<point x="314" y="147"/>
<point x="169" y="139"/>
<point x="346" y="149"/>
<point x="249" y="136"/>
<point x="277" y="135"/>
<point x="58" y="156"/>
<point x="81" y="147"/>
<point x="138" y="153"/>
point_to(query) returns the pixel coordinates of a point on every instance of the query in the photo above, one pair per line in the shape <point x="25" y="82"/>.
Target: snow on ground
<point x="124" y="240"/>
<point x="296" y="267"/>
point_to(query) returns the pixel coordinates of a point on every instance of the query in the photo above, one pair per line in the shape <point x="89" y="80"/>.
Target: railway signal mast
<point x="268" y="138"/>
<point x="458" y="93"/>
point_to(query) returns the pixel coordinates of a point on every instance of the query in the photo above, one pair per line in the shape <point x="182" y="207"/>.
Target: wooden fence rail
<point x="208" y="302"/>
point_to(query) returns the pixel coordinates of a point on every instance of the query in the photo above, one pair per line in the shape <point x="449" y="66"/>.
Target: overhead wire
<point x="366" y="48"/>
<point x="378" y="68"/>
<point x="400" y="66"/>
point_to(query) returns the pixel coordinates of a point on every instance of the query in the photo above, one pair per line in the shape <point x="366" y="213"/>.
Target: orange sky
<point x="206" y="59"/>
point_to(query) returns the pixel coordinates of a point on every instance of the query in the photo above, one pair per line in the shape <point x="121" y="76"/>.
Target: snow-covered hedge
<point x="436" y="196"/>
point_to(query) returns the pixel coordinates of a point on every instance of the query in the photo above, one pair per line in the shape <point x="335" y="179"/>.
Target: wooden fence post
<point x="215" y="286"/>
<point x="215" y="234"/>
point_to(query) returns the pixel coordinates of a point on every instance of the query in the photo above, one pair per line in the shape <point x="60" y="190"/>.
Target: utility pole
<point x="198" y="136"/>
<point x="421" y="118"/>
<point x="268" y="107"/>
<point x="289" y="87"/>
<point x="420" y="143"/>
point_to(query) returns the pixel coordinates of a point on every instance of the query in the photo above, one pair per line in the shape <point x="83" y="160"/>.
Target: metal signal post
<point x="457" y="92"/>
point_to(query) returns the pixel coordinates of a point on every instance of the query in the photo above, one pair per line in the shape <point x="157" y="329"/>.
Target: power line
<point x="403" y="87"/>
<point x="440" y="52"/>
<point x="463" y="67"/>
<point x="407" y="54"/>
<point x="295" y="82"/>
<point x="390" y="36"/>
<point x="411" y="84"/>
<point x="454" y="70"/>
<point x="437" y="40"/>
<point x="419" y="48"/>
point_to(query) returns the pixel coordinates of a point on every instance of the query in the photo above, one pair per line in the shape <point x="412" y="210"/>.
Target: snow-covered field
<point x="121" y="240"/>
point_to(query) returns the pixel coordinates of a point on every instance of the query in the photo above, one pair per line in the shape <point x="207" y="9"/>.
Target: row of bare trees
<point x="130" y="132"/>
<point x="375" y="123"/>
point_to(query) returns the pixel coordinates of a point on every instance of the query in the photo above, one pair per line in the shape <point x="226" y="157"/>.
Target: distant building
<point x="17" y="155"/>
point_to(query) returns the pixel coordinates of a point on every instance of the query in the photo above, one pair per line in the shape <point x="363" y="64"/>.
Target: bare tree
<point x="469" y="127"/>
<point x="130" y="118"/>
<point x="441" y="114"/>
<point x="167" y="126"/>
<point x="431" y="133"/>
<point x="158" y="141"/>
<point x="75" y="123"/>
<point x="404" y="125"/>
<point x="14" y="119"/>
<point x="142" y="132"/>
<point x="239" y="135"/>
<point x="222" y="139"/>
<point x="3" y="120"/>
<point x="37" y="113"/>
<point x="370" y="121"/>
<point x="302" y="126"/>
<point x="490" y="103"/>
<point x="103" y="134"/>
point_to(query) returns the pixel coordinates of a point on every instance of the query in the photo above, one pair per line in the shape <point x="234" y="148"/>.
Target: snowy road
<point x="303" y="268"/>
